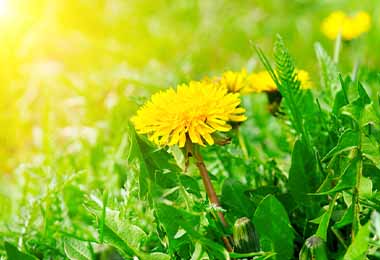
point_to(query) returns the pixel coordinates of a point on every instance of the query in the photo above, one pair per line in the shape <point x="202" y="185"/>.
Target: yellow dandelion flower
<point x="262" y="82"/>
<point x="191" y="112"/>
<point x="349" y="27"/>
<point x="304" y="78"/>
<point x="234" y="81"/>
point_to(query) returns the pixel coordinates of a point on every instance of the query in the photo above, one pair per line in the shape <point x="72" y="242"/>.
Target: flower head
<point x="349" y="27"/>
<point x="234" y="81"/>
<point x="262" y="81"/>
<point x="191" y="112"/>
<point x="304" y="78"/>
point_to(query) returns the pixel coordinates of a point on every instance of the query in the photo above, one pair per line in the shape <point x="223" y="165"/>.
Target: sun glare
<point x="4" y="8"/>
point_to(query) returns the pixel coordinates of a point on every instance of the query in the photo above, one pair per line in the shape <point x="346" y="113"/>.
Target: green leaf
<point x="155" y="256"/>
<point x="76" y="249"/>
<point x="14" y="254"/>
<point x="286" y="81"/>
<point x="365" y="189"/>
<point x="149" y="159"/>
<point x="288" y="84"/>
<point x="190" y="185"/>
<point x="304" y="175"/>
<point x="347" y="218"/>
<point x="235" y="199"/>
<point x="120" y="234"/>
<point x="328" y="69"/>
<point x="371" y="149"/>
<point x="174" y="219"/>
<point x="356" y="108"/>
<point x="325" y="220"/>
<point x="125" y="237"/>
<point x="274" y="229"/>
<point x="198" y="252"/>
<point x="348" y="140"/>
<point x="358" y="248"/>
<point x="257" y="255"/>
<point x="347" y="180"/>
<point x="375" y="220"/>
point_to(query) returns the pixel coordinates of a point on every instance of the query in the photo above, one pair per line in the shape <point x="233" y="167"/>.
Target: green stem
<point x="242" y="144"/>
<point x="355" y="198"/>
<point x="338" y="44"/>
<point x="355" y="69"/>
<point x="211" y="192"/>
<point x="339" y="236"/>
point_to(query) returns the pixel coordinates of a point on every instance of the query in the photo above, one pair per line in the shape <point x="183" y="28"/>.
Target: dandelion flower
<point x="234" y="81"/>
<point x="304" y="78"/>
<point x="191" y="112"/>
<point x="349" y="27"/>
<point x="263" y="82"/>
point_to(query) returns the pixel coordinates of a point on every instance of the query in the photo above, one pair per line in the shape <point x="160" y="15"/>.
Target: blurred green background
<point x="65" y="64"/>
<point x="72" y="72"/>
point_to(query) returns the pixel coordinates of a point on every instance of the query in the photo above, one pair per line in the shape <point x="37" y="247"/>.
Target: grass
<point x="77" y="182"/>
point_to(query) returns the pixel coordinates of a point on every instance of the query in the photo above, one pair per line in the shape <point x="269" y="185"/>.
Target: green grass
<point x="77" y="182"/>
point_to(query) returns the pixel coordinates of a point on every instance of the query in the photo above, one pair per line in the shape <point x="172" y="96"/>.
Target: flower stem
<point x="209" y="187"/>
<point x="355" y="69"/>
<point x="338" y="44"/>
<point x="211" y="193"/>
<point x="242" y="144"/>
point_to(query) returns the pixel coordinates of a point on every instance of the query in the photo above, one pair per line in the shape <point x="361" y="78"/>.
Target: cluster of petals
<point x="191" y="112"/>
<point x="259" y="82"/>
<point x="348" y="26"/>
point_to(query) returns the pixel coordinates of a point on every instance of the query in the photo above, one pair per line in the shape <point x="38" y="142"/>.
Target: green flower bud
<point x="313" y="249"/>
<point x="245" y="236"/>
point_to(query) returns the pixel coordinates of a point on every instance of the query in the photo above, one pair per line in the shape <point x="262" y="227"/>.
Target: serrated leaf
<point x="328" y="69"/>
<point x="274" y="229"/>
<point x="76" y="249"/>
<point x="119" y="233"/>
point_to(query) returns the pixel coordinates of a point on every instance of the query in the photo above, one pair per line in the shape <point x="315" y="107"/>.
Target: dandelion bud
<point x="245" y="237"/>
<point x="314" y="248"/>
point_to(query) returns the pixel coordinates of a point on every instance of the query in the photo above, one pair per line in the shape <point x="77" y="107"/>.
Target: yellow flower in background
<point x="262" y="82"/>
<point x="234" y="81"/>
<point x="349" y="27"/>
<point x="304" y="78"/>
<point x="191" y="112"/>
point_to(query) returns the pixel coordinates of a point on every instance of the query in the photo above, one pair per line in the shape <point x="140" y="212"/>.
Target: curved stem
<point x="211" y="193"/>
<point x="208" y="185"/>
